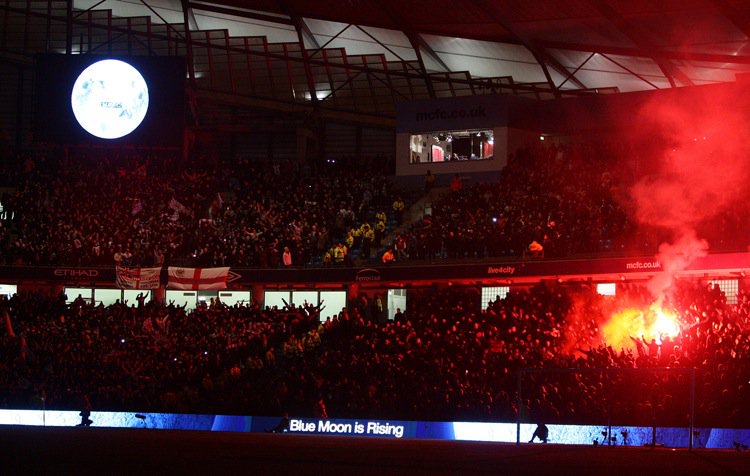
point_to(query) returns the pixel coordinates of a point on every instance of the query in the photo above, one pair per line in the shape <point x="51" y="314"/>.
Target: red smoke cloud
<point x="701" y="171"/>
<point x="698" y="170"/>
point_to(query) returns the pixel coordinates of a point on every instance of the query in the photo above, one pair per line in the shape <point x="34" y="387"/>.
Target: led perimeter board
<point x="109" y="100"/>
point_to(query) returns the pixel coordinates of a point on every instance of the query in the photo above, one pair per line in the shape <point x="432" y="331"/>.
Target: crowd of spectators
<point x="561" y="198"/>
<point x="151" y="210"/>
<point x="142" y="209"/>
<point x="442" y="358"/>
<point x="563" y="201"/>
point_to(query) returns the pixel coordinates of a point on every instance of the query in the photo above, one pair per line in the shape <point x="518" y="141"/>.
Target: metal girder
<point x="657" y="54"/>
<point x="192" y="21"/>
<point x="190" y="91"/>
<point x="420" y="60"/>
<point x="542" y="62"/>
<point x="239" y="13"/>
<point x="415" y="37"/>
<point x="385" y="70"/>
<point x="671" y="72"/>
<point x="421" y="70"/>
<point x="74" y="21"/>
<point x="330" y="40"/>
<point x="387" y="48"/>
<point x="639" y="76"/>
<point x="309" y="58"/>
<point x="572" y="74"/>
<point x="308" y="69"/>
<point x="557" y="66"/>
<point x="536" y="49"/>
<point x="162" y="18"/>
<point x="69" y="27"/>
<point x="70" y="4"/>
<point x="417" y="43"/>
<point x="367" y="69"/>
<point x="190" y="43"/>
<point x="186" y="9"/>
<point x="310" y="36"/>
<point x="301" y="28"/>
<point x="312" y="60"/>
<point x="299" y="25"/>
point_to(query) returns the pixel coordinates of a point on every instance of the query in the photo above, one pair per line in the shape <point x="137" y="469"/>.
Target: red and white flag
<point x="197" y="278"/>
<point x="138" y="278"/>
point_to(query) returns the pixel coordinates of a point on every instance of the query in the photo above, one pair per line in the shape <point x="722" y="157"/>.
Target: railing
<point x="622" y="401"/>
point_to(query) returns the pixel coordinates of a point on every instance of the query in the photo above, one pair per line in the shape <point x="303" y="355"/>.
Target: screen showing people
<point x="451" y="146"/>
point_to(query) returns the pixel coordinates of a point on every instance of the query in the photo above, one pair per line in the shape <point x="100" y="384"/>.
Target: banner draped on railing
<point x="137" y="278"/>
<point x="197" y="278"/>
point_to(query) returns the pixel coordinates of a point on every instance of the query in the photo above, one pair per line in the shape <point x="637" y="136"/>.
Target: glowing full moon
<point x="110" y="99"/>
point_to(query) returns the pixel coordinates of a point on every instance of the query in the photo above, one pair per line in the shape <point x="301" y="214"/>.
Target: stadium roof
<point x="362" y="57"/>
<point x="568" y="44"/>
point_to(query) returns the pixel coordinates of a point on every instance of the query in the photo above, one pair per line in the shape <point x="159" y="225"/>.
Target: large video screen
<point x="451" y="146"/>
<point x="101" y="100"/>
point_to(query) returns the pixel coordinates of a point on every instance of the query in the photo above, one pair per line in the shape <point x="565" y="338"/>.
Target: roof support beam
<point x="416" y="42"/>
<point x="330" y="40"/>
<point x="573" y="73"/>
<point x="536" y="49"/>
<point x="657" y="54"/>
<point x="68" y="28"/>
<point x="387" y="48"/>
<point x="239" y="13"/>
<point x="192" y="22"/>
<point x="368" y="69"/>
<point x="162" y="18"/>
<point x="420" y="60"/>
<point x="671" y="72"/>
<point x="186" y="12"/>
<point x="421" y="70"/>
<point x="423" y="45"/>
<point x="639" y="76"/>
<point x="308" y="33"/>
<point x="302" y="29"/>
<point x="83" y="12"/>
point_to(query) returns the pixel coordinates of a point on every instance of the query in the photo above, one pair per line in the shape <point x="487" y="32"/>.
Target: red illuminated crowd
<point x="443" y="358"/>
<point x="144" y="209"/>
<point x="560" y="197"/>
<point x="564" y="201"/>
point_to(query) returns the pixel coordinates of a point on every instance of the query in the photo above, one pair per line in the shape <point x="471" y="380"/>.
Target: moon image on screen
<point x="110" y="99"/>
